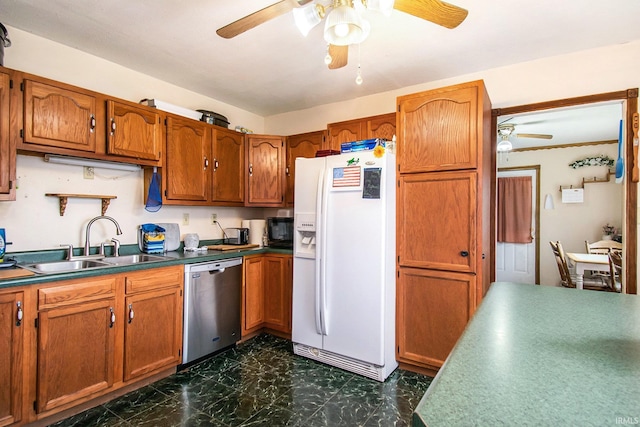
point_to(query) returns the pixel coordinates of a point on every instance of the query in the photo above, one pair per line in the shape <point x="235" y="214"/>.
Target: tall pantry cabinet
<point x="445" y="164"/>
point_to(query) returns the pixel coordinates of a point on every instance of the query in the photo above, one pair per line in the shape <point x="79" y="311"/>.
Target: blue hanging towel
<point x="154" y="198"/>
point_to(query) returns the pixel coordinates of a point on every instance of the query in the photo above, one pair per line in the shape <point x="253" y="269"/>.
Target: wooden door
<point x="436" y="222"/>
<point x="265" y="171"/>
<point x="11" y="362"/>
<point x="383" y="126"/>
<point x="278" y="277"/>
<point x="153" y="331"/>
<point x="75" y="352"/>
<point x="348" y="131"/>
<point x="438" y="130"/>
<point x="433" y="310"/>
<point x="133" y="131"/>
<point x="59" y="116"/>
<point x="253" y="294"/>
<point x="228" y="167"/>
<point x="7" y="152"/>
<point x="187" y="161"/>
<point x="302" y="145"/>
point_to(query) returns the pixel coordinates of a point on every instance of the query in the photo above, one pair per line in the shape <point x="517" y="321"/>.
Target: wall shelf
<point x="64" y="197"/>
<point x="593" y="180"/>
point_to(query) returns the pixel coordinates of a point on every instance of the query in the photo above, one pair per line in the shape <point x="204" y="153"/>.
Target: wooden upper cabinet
<point x="187" y="162"/>
<point x="347" y="131"/>
<point x="59" y="116"/>
<point x="437" y="222"/>
<point x="11" y="357"/>
<point x="133" y="131"/>
<point x="301" y="145"/>
<point x="265" y="170"/>
<point x="7" y="150"/>
<point x="447" y="143"/>
<point x="383" y="126"/>
<point x="228" y="167"/>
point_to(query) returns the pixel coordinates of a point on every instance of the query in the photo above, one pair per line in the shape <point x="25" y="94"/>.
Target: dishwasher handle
<point x="219" y="270"/>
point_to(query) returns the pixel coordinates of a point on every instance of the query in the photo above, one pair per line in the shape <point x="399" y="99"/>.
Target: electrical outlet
<point x="185" y="219"/>
<point x="214" y="218"/>
<point x="88" y="172"/>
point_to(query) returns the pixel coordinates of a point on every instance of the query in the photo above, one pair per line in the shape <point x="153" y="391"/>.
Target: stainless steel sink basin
<point x="65" y="266"/>
<point x="132" y="259"/>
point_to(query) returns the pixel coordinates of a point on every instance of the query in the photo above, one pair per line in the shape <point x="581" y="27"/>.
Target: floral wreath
<point x="593" y="161"/>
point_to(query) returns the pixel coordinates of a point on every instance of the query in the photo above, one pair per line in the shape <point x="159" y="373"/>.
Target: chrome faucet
<point x="87" y="233"/>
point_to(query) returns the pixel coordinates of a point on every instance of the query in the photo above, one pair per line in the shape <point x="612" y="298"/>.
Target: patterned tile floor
<point x="262" y="383"/>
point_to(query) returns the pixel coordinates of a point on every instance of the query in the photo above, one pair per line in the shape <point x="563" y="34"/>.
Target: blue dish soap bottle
<point x="3" y="244"/>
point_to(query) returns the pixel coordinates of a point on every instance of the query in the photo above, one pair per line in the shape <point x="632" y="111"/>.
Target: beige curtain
<point x="514" y="209"/>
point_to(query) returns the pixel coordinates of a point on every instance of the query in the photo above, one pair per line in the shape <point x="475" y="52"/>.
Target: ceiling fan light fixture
<point x="383" y="6"/>
<point x="504" y="145"/>
<point x="308" y="17"/>
<point x="343" y="25"/>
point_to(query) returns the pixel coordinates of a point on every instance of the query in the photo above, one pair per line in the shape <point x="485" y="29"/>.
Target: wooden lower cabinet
<point x="11" y="356"/>
<point x="97" y="335"/>
<point x="278" y="283"/>
<point x="433" y="308"/>
<point x="266" y="293"/>
<point x="253" y="294"/>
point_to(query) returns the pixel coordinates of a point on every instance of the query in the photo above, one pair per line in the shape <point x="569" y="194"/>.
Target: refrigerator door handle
<point x="318" y="306"/>
<point x="323" y="250"/>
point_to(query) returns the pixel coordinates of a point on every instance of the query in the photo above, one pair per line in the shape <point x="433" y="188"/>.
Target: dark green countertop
<point x="539" y="355"/>
<point x="172" y="258"/>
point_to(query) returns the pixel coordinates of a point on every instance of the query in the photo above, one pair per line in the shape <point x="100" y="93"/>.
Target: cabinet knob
<point x="215" y="165"/>
<point x="206" y="163"/>
<point x="131" y="313"/>
<point x="113" y="126"/>
<point x="250" y="169"/>
<point x="92" y="123"/>
<point x="19" y="313"/>
<point x="112" y="317"/>
<point x="464" y="253"/>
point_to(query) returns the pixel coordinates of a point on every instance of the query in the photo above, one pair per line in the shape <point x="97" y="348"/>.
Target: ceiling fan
<point x="506" y="130"/>
<point x="343" y="24"/>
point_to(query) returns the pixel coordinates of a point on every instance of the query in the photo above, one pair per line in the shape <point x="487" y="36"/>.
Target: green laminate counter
<point x="541" y="356"/>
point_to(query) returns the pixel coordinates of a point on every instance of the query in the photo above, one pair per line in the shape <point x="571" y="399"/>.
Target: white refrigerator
<point x="344" y="262"/>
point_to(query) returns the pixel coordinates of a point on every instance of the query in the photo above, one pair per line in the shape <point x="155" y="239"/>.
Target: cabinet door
<point x="436" y="221"/>
<point x="228" y="167"/>
<point x="11" y="363"/>
<point x="133" y="131"/>
<point x="60" y="117"/>
<point x="253" y="294"/>
<point x="348" y="131"/>
<point x="302" y="145"/>
<point x="383" y="126"/>
<point x="153" y="331"/>
<point x="438" y="130"/>
<point x="433" y="310"/>
<point x="278" y="277"/>
<point x="7" y="152"/>
<point x="75" y="352"/>
<point x="265" y="171"/>
<point x="187" y="161"/>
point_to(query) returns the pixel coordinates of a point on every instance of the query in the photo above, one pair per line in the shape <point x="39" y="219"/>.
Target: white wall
<point x="571" y="224"/>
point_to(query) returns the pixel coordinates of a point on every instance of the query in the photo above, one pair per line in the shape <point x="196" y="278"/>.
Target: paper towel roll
<point x="256" y="231"/>
<point x="246" y="223"/>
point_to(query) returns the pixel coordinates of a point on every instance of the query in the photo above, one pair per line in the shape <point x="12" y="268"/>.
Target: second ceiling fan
<point x="343" y="24"/>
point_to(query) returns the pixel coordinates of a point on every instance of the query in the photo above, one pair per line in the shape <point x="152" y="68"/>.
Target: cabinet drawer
<point x="75" y="291"/>
<point x="153" y="279"/>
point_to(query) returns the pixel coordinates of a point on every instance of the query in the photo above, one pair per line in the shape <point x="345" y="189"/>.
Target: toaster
<point x="236" y="236"/>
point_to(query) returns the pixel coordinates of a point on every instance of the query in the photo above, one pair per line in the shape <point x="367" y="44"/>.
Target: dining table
<point x="587" y="262"/>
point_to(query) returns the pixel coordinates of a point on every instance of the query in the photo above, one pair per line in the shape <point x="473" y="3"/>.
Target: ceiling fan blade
<point x="533" y="135"/>
<point x="259" y="17"/>
<point x="436" y="11"/>
<point x="339" y="56"/>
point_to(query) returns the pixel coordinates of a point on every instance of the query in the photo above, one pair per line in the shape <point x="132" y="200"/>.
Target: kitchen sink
<point x="132" y="259"/>
<point x="65" y="266"/>
<point x="90" y="264"/>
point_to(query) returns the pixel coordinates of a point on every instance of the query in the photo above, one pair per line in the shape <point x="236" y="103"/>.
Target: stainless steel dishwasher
<point x="211" y="307"/>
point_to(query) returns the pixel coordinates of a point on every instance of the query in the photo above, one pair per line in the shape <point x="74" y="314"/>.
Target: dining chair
<point x="602" y="246"/>
<point x="595" y="283"/>
<point x="615" y="270"/>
